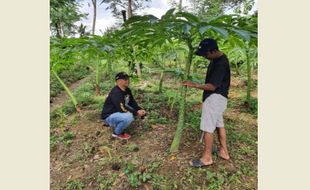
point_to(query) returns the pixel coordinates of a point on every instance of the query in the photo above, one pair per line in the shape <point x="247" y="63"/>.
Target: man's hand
<point x="141" y="113"/>
<point x="189" y="84"/>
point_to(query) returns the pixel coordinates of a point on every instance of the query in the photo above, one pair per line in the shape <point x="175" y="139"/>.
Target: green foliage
<point x="252" y="106"/>
<point x="162" y="45"/>
<point x="66" y="138"/>
<point x="69" y="75"/>
<point x="133" y="147"/>
<point x="63" y="15"/>
<point x="75" y="185"/>
<point x="105" y="182"/>
<point x="58" y="118"/>
<point x="139" y="175"/>
<point x="216" y="180"/>
<point x="115" y="6"/>
<point x="207" y="9"/>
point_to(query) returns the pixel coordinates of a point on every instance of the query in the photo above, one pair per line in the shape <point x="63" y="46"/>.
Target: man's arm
<point x="208" y="86"/>
<point x="134" y="104"/>
<point x="215" y="81"/>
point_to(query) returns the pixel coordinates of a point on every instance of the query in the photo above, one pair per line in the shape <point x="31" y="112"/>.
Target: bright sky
<point x="105" y="18"/>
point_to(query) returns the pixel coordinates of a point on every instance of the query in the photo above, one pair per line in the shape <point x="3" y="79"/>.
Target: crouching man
<point x="120" y="107"/>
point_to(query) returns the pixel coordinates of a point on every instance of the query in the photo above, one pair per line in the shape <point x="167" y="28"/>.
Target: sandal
<point x="198" y="163"/>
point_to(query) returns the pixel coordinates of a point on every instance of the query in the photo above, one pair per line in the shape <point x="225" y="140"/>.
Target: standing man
<point x="215" y="94"/>
<point x="120" y="107"/>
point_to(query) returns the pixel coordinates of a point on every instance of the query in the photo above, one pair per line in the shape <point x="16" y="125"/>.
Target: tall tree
<point x="94" y="3"/>
<point x="177" y="4"/>
<point x="180" y="5"/>
<point x="207" y="9"/>
<point x="129" y="8"/>
<point x="63" y="16"/>
<point x="82" y="30"/>
<point x="116" y="6"/>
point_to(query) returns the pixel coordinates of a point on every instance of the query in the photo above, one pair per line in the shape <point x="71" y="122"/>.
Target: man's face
<point x="123" y="82"/>
<point x="209" y="55"/>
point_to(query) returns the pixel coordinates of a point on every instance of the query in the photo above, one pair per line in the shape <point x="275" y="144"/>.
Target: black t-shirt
<point x="119" y="101"/>
<point x="218" y="74"/>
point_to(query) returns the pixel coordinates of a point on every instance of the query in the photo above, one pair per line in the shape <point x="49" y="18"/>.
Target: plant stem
<point x="249" y="73"/>
<point x="67" y="90"/>
<point x="161" y="81"/>
<point x="177" y="137"/>
<point x="97" y="76"/>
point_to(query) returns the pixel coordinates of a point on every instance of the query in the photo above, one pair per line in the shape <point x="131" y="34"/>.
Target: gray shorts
<point x="212" y="112"/>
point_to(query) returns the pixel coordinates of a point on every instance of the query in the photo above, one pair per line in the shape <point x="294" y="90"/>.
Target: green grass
<point x="65" y="138"/>
<point x="162" y="109"/>
<point x="75" y="185"/>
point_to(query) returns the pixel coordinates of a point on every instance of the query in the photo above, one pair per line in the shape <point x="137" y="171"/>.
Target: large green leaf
<point x="221" y="31"/>
<point x="168" y="14"/>
<point x="245" y="35"/>
<point x="133" y="19"/>
<point x="204" y="29"/>
<point x="190" y="17"/>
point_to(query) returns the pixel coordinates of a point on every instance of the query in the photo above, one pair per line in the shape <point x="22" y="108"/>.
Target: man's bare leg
<point x="223" y="152"/>
<point x="207" y="153"/>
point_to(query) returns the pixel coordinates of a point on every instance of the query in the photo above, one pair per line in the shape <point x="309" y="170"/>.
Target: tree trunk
<point x="249" y="75"/>
<point x="98" y="73"/>
<point x="62" y="33"/>
<point x="180" y="5"/>
<point x="195" y="67"/>
<point x="109" y="69"/>
<point x="124" y="15"/>
<point x="160" y="88"/>
<point x="94" y="2"/>
<point x="177" y="137"/>
<point x="67" y="90"/>
<point x="138" y="70"/>
<point x="237" y="69"/>
<point x="129" y="9"/>
<point x="57" y="30"/>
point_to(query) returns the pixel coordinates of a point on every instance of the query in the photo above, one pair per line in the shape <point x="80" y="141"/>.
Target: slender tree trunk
<point x="177" y="137"/>
<point x="180" y="5"/>
<point x="109" y="68"/>
<point x="160" y="88"/>
<point x="249" y="75"/>
<point x="57" y="30"/>
<point x="124" y="15"/>
<point x="94" y="2"/>
<point x="98" y="74"/>
<point x="62" y="33"/>
<point x="67" y="90"/>
<point x="195" y="67"/>
<point x="138" y="70"/>
<point x="237" y="69"/>
<point x="129" y="9"/>
<point x="173" y="102"/>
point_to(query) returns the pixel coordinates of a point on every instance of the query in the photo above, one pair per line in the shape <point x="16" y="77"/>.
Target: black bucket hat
<point x="206" y="45"/>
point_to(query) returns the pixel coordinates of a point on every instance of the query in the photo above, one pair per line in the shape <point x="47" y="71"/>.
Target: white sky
<point x="105" y="18"/>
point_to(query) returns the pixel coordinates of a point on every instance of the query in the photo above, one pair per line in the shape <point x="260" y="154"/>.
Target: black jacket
<point x="119" y="101"/>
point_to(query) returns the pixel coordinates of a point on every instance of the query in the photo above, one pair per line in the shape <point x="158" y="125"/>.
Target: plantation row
<point x="160" y="46"/>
